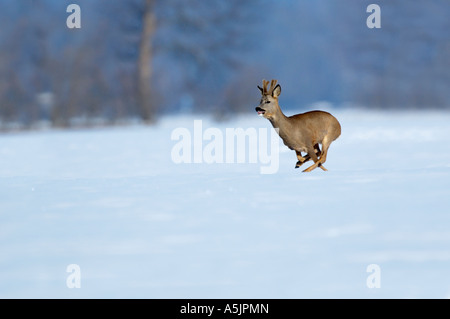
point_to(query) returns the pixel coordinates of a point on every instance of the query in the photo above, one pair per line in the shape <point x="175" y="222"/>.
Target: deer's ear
<point x="260" y="88"/>
<point x="276" y="91"/>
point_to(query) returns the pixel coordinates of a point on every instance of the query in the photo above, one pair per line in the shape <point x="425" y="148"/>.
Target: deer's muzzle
<point x="260" y="110"/>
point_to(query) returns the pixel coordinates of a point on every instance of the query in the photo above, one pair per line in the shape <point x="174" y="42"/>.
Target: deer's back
<point x="317" y="124"/>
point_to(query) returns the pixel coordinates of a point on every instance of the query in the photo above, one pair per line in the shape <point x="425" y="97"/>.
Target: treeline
<point x="403" y="65"/>
<point x="134" y="60"/>
<point x="130" y="60"/>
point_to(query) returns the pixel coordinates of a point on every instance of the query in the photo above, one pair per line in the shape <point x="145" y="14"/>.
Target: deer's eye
<point x="267" y="102"/>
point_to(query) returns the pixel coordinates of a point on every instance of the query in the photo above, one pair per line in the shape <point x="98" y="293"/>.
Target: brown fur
<point x="301" y="132"/>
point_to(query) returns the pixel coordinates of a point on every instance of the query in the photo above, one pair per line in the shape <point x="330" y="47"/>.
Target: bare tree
<point x="144" y="62"/>
<point x="132" y="45"/>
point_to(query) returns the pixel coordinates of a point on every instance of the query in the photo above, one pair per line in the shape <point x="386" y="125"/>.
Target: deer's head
<point x="268" y="105"/>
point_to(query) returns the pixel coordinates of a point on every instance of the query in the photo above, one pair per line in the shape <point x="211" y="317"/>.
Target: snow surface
<point x="112" y="201"/>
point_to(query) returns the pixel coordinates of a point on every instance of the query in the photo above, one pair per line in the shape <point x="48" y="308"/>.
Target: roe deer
<point x="301" y="132"/>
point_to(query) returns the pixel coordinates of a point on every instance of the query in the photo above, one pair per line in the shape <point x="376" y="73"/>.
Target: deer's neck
<point x="284" y="127"/>
<point x="279" y="120"/>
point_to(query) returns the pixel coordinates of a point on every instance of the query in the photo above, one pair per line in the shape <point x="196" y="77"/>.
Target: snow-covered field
<point x="113" y="202"/>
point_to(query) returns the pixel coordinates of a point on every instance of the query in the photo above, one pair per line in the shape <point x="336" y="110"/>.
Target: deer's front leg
<point x="301" y="160"/>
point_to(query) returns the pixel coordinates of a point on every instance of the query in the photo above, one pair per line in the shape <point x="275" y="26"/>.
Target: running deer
<point x="301" y="132"/>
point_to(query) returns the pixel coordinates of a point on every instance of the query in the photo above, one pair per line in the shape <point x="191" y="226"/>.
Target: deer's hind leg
<point x="317" y="150"/>
<point x="325" y="145"/>
<point x="317" y="163"/>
